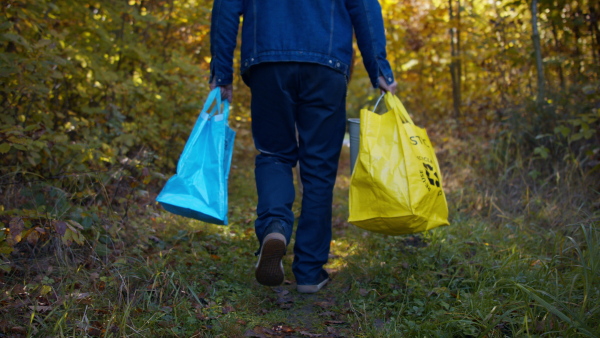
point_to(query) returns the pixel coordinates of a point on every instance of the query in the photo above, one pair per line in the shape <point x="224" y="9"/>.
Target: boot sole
<point x="269" y="270"/>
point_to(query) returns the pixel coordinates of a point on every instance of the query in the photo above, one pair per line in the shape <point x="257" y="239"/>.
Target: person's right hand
<point x="226" y="91"/>
<point x="387" y="87"/>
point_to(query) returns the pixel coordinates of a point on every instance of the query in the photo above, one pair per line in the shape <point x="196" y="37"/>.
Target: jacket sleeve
<point x="370" y="35"/>
<point x="224" y="27"/>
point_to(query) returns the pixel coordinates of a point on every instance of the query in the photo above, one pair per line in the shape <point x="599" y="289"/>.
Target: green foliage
<point x="498" y="75"/>
<point x="95" y="96"/>
<point x="561" y="138"/>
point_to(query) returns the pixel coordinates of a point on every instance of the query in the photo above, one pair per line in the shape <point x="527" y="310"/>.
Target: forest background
<point x="97" y="99"/>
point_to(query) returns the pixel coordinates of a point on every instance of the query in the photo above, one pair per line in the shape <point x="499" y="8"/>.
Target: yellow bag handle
<point x="394" y="104"/>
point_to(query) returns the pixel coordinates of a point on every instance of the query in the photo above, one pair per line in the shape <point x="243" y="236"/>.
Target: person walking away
<point x="295" y="57"/>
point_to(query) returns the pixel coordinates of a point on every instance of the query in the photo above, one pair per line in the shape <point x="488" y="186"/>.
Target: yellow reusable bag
<point x="396" y="186"/>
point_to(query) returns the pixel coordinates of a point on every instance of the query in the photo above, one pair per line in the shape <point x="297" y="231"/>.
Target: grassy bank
<point x="501" y="269"/>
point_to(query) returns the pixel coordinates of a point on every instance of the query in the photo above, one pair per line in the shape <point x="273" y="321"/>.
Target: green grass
<point x="489" y="274"/>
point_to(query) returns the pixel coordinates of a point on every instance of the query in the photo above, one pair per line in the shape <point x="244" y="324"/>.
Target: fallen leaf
<point x="334" y="322"/>
<point x="324" y="304"/>
<point x="283" y="329"/>
<point x="79" y="295"/>
<point x="268" y="331"/>
<point x="40" y="308"/>
<point x="202" y="316"/>
<point x="33" y="237"/>
<point x="103" y="311"/>
<point x="363" y="292"/>
<point x="16" y="226"/>
<point x="308" y="334"/>
<point x="19" y="290"/>
<point x="114" y="329"/>
<point x="211" y="248"/>
<point x="4" y="324"/>
<point x="260" y="331"/>
<point x="60" y="227"/>
<point x="41" y="300"/>
<point x="46" y="289"/>
<point x="18" y="329"/>
<point x="227" y="309"/>
<point x="252" y="333"/>
<point x="74" y="224"/>
<point x="94" y="331"/>
<point x="333" y="331"/>
<point x="327" y="314"/>
<point x="83" y="324"/>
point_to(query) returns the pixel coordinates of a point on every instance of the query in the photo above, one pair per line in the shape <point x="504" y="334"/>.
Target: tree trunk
<point x="459" y="66"/>
<point x="593" y="21"/>
<point x="455" y="60"/>
<point x="541" y="88"/>
<point x="577" y="37"/>
<point x="557" y="49"/>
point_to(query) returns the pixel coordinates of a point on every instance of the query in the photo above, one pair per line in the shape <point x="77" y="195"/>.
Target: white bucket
<point x="354" y="131"/>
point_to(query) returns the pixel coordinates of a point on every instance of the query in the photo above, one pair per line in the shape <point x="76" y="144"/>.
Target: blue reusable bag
<point x="199" y="189"/>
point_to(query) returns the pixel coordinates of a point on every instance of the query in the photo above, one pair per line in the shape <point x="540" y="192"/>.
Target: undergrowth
<point x="518" y="260"/>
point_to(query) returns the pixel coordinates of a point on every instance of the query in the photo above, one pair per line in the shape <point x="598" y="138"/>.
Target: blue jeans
<point x="310" y="98"/>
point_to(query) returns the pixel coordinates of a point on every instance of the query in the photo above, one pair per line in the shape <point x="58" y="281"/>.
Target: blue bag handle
<point x="221" y="111"/>
<point x="205" y="115"/>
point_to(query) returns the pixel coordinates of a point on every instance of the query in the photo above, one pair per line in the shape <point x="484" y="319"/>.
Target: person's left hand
<point x="387" y="87"/>
<point x="226" y="91"/>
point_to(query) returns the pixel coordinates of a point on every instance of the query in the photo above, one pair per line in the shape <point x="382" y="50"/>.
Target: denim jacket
<point x="317" y="31"/>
